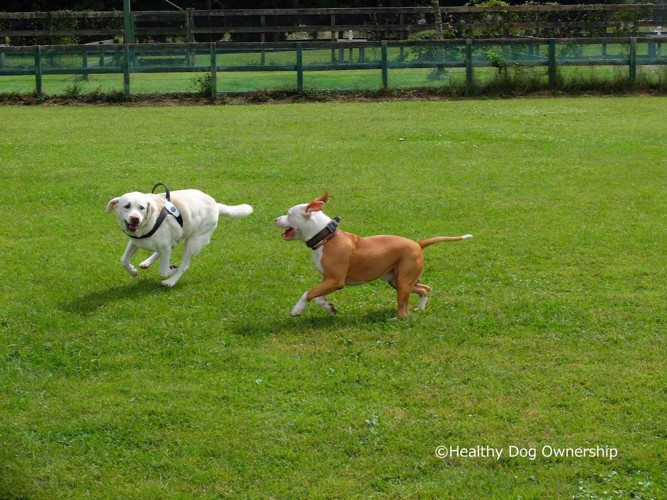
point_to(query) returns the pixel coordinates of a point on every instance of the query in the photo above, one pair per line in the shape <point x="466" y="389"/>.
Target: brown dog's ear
<point x="318" y="203"/>
<point x="112" y="205"/>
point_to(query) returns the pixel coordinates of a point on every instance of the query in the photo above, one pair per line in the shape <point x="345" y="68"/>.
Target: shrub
<point x="203" y="84"/>
<point x="435" y="52"/>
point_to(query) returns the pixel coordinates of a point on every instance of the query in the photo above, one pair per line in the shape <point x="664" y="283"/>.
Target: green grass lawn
<point x="546" y="331"/>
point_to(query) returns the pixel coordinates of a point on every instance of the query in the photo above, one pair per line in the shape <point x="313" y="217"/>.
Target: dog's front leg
<point x="321" y="301"/>
<point x="326" y="305"/>
<point x="300" y="306"/>
<point x="130" y="250"/>
<point x="319" y="294"/>
<point x="149" y="261"/>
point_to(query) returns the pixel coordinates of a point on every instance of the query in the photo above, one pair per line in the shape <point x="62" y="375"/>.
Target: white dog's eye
<point x="141" y="207"/>
<point x="127" y="206"/>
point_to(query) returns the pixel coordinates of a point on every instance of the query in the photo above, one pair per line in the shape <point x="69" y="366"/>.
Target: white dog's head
<point x="133" y="211"/>
<point x="304" y="221"/>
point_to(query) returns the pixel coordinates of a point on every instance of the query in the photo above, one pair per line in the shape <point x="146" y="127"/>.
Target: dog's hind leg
<point x="406" y="282"/>
<point x="403" y="298"/>
<point x="193" y="246"/>
<point x="419" y="289"/>
<point x="166" y="269"/>
<point x="422" y="291"/>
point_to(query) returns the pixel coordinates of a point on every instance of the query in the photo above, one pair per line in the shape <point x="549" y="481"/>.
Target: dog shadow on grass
<point x="89" y="303"/>
<point x="315" y="324"/>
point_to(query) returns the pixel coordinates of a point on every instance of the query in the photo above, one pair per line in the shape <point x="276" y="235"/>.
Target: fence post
<point x="214" y="71"/>
<point x="38" y="71"/>
<point x="552" y="63"/>
<point x="263" y="38"/>
<point x="85" y="76"/>
<point x="385" y="69"/>
<point x="633" y="59"/>
<point x="126" y="69"/>
<point x="469" y="71"/>
<point x="128" y="23"/>
<point x="189" y="24"/>
<point x="651" y="49"/>
<point x="299" y="67"/>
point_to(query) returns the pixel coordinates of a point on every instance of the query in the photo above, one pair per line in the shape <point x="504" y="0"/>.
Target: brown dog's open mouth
<point x="289" y="233"/>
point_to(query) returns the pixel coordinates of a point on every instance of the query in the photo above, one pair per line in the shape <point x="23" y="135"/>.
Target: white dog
<point x="158" y="222"/>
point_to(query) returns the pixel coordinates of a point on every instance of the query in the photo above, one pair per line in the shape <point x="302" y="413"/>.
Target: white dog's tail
<point x="440" y="239"/>
<point x="234" y="210"/>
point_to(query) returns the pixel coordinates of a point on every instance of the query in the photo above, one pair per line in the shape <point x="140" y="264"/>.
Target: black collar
<point x="168" y="209"/>
<point x="330" y="231"/>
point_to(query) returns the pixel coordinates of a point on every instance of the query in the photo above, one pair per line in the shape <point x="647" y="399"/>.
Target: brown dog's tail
<point x="440" y="239"/>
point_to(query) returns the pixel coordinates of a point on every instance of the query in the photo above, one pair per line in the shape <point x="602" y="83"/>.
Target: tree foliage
<point x="106" y="5"/>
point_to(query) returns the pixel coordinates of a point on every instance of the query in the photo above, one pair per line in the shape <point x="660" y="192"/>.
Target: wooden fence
<point x="266" y="25"/>
<point x="386" y="57"/>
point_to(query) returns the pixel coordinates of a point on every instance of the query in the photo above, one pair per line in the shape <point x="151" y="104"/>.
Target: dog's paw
<point x="300" y="306"/>
<point x="168" y="272"/>
<point x="326" y="305"/>
<point x="133" y="271"/>
<point x="168" y="283"/>
<point x="149" y="261"/>
<point x="329" y="308"/>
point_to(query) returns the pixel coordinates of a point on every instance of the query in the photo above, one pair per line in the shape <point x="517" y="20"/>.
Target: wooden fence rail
<point x="384" y="56"/>
<point x="263" y="25"/>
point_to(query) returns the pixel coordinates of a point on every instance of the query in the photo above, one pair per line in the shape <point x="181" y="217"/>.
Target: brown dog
<point x="347" y="259"/>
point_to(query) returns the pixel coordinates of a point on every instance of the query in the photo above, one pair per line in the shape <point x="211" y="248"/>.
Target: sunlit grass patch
<point x="546" y="329"/>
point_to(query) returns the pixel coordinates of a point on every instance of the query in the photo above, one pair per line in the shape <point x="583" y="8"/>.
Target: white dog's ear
<point x="112" y="205"/>
<point x="150" y="208"/>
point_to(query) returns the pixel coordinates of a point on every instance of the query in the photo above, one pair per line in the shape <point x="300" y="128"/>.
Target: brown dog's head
<point x="304" y="219"/>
